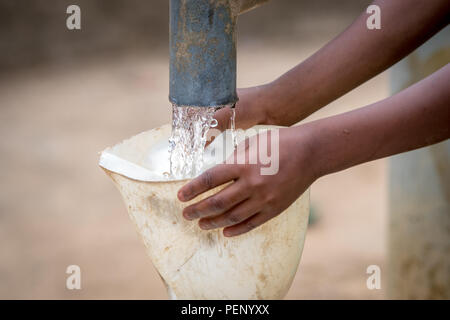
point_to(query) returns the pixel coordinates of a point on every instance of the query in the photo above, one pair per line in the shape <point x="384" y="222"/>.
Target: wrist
<point x="252" y="107"/>
<point x="308" y="150"/>
<point x="271" y="104"/>
<point x="331" y="146"/>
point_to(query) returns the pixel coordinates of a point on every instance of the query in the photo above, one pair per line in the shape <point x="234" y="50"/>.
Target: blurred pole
<point x="419" y="205"/>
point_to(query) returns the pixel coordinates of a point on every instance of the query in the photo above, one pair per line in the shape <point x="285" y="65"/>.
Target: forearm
<point x="416" y="117"/>
<point x="352" y="58"/>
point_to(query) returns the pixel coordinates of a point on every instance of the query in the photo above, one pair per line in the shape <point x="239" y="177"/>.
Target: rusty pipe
<point x="203" y="51"/>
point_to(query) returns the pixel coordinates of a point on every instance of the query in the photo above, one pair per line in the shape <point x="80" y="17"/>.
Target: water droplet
<point x="213" y="123"/>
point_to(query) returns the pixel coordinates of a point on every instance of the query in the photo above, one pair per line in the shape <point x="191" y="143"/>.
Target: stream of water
<point x="188" y="139"/>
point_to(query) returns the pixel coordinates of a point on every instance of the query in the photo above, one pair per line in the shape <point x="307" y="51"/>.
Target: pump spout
<point x="203" y="51"/>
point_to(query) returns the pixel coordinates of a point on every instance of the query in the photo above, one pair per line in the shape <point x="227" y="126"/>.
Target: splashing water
<point x="233" y="127"/>
<point x="188" y="139"/>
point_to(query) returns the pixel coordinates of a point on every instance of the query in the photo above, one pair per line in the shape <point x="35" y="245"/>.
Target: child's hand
<point x="414" y="118"/>
<point x="253" y="198"/>
<point x="251" y="109"/>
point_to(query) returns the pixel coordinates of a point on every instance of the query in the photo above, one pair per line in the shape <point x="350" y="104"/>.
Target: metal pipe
<point x="203" y="51"/>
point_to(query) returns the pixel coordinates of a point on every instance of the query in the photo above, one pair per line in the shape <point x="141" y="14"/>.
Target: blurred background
<point x="66" y="95"/>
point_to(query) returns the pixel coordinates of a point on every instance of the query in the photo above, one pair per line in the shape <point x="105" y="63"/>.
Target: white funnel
<point x="198" y="264"/>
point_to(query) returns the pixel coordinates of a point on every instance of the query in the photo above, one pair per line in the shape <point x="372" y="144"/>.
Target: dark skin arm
<point x="414" y="118"/>
<point x="352" y="58"/>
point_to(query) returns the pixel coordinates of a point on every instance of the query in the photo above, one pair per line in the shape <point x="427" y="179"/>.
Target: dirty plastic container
<point x="194" y="263"/>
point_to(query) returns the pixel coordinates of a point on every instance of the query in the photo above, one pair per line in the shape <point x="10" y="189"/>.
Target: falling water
<point x="233" y="126"/>
<point x="188" y="139"/>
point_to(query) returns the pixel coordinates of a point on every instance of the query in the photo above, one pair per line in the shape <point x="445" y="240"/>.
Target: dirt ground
<point x="58" y="208"/>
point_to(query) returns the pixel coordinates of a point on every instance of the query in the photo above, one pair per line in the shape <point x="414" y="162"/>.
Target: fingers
<point x="209" y="179"/>
<point x="247" y="225"/>
<point x="239" y="213"/>
<point x="218" y="203"/>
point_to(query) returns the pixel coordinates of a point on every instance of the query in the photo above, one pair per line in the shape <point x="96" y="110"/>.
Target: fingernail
<point x="227" y="233"/>
<point x="204" y="225"/>
<point x="181" y="195"/>
<point x="190" y="215"/>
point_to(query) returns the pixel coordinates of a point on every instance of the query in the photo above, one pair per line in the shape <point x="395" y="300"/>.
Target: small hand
<point x="250" y="110"/>
<point x="252" y="198"/>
